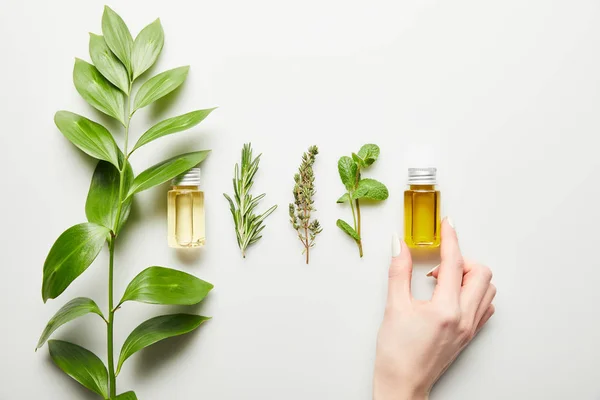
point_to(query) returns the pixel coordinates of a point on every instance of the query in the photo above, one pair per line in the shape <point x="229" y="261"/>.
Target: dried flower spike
<point x="300" y="210"/>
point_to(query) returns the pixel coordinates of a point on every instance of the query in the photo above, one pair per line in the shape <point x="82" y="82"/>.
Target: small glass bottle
<point x="186" y="211"/>
<point x="422" y="221"/>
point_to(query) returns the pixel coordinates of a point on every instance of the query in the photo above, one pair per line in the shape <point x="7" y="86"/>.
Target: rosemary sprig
<point x="248" y="225"/>
<point x="300" y="210"/>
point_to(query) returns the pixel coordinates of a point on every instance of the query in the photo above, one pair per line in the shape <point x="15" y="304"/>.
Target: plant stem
<point x="111" y="313"/>
<point x="305" y="223"/>
<point x="357" y="219"/>
<point x="352" y="208"/>
<point x="111" y="248"/>
<point x="359" y="242"/>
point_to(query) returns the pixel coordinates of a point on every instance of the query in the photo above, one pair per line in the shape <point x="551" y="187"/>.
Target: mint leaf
<point x="369" y="153"/>
<point x="344" y="198"/>
<point x="358" y="160"/>
<point x="370" y="189"/>
<point x="343" y="225"/>
<point x="348" y="170"/>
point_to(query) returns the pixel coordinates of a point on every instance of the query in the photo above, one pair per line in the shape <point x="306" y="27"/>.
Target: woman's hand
<point x="419" y="339"/>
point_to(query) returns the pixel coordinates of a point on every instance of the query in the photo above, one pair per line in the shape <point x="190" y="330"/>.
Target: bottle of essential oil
<point x="186" y="211"/>
<point x="422" y="220"/>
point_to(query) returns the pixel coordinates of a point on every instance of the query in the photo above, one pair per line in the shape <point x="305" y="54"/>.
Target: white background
<point x="503" y="97"/>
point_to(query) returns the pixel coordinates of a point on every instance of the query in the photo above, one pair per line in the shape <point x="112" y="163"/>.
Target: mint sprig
<point x="358" y="188"/>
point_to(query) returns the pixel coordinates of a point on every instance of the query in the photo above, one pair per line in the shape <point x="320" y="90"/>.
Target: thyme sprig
<point x="300" y="210"/>
<point x="248" y="225"/>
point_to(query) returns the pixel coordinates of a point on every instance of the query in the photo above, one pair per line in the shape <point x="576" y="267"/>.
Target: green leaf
<point x="117" y="36"/>
<point x="358" y="160"/>
<point x="108" y="65"/>
<point x="369" y="153"/>
<point x="71" y="254"/>
<point x="103" y="197"/>
<point x="146" y="48"/>
<point x="159" y="285"/>
<point x="73" y="309"/>
<point x="80" y="364"/>
<point x="348" y="170"/>
<point x="159" y="86"/>
<point x="166" y="170"/>
<point x="172" y="125"/>
<point x="89" y="136"/>
<point x="98" y="91"/>
<point x="343" y="225"/>
<point x="157" y="329"/>
<point x="126" y="396"/>
<point x="345" y="198"/>
<point x="370" y="189"/>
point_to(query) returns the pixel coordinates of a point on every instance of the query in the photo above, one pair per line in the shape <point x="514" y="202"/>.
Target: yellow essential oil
<point x="186" y="211"/>
<point x="422" y="221"/>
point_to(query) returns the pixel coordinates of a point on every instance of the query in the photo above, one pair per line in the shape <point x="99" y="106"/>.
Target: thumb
<point x="400" y="274"/>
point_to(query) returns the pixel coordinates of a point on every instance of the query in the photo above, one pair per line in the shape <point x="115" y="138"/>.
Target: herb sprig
<point x="300" y="210"/>
<point x="358" y="188"/>
<point x="248" y="225"/>
<point x="119" y="61"/>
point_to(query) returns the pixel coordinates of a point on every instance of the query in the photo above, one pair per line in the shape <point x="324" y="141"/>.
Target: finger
<point x="489" y="296"/>
<point x="400" y="274"/>
<point x="435" y="271"/>
<point x="476" y="283"/>
<point x="486" y="316"/>
<point x="450" y="271"/>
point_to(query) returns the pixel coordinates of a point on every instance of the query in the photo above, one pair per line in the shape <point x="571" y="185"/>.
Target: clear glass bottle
<point x="186" y="211"/>
<point x="422" y="221"/>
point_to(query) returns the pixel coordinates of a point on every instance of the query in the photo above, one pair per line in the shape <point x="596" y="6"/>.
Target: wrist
<point x="399" y="394"/>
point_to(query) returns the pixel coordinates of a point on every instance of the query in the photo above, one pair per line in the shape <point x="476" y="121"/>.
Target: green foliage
<point x="72" y="253"/>
<point x="159" y="285"/>
<point x="89" y="136"/>
<point x="126" y="396"/>
<point x="146" y="48"/>
<point x="166" y="170"/>
<point x="343" y="225"/>
<point x="80" y="364"/>
<point x="343" y="198"/>
<point x="107" y="86"/>
<point x="108" y="65"/>
<point x="248" y="225"/>
<point x="98" y="91"/>
<point x="159" y="86"/>
<point x="300" y="210"/>
<point x="117" y="36"/>
<point x="73" y="309"/>
<point x="370" y="189"/>
<point x="157" y="329"/>
<point x="103" y="197"/>
<point x="350" y="170"/>
<point x="368" y="154"/>
<point x="172" y="125"/>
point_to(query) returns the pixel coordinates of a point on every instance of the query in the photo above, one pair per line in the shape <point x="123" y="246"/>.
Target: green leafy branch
<point x="248" y="225"/>
<point x="359" y="188"/>
<point x="118" y="61"/>
<point x="300" y="210"/>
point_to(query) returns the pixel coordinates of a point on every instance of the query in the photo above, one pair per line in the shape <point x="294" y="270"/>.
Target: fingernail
<point x="430" y="273"/>
<point x="396" y="246"/>
<point x="450" y="222"/>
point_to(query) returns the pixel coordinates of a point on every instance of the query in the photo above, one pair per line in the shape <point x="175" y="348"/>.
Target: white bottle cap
<point x="188" y="178"/>
<point x="422" y="176"/>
